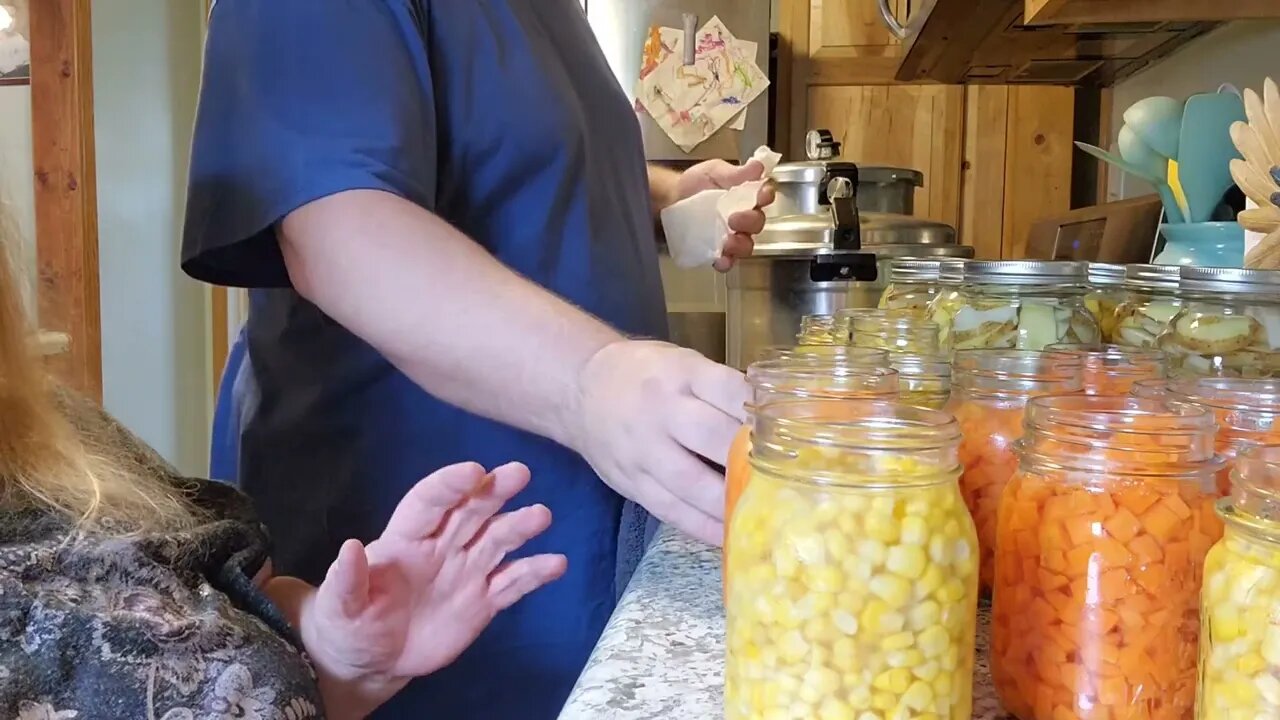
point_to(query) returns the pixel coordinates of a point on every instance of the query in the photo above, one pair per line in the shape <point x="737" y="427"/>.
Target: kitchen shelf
<point x="1072" y="42"/>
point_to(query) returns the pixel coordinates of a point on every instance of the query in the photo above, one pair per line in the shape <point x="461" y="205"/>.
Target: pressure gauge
<point x="821" y="145"/>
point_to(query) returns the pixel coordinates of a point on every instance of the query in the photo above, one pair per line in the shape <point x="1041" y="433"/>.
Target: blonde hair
<point x="46" y="463"/>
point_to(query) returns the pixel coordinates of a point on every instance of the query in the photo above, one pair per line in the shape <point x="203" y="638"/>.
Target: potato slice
<point x="1216" y="334"/>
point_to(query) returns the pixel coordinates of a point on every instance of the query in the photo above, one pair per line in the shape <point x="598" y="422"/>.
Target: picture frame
<point x="15" y="42"/>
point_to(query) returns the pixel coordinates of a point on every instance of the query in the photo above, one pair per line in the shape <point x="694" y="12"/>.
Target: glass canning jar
<point x="854" y="567"/>
<point x="989" y="389"/>
<point x="818" y="330"/>
<point x="772" y="380"/>
<point x="913" y="283"/>
<point x="1103" y="533"/>
<point x="1247" y="411"/>
<point x="1151" y="299"/>
<point x="1228" y="325"/>
<point x="839" y="354"/>
<point x="1112" y="369"/>
<point x="1023" y="304"/>
<point x="1150" y="388"/>
<point x="944" y="306"/>
<point x="1239" y="635"/>
<point x="1105" y="293"/>
<point x="924" y="380"/>
<point x="896" y="333"/>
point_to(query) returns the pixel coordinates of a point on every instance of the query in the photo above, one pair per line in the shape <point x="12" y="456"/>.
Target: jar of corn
<point x="989" y="389"/>
<point x="854" y="567"/>
<point x="1112" y="369"/>
<point x="1247" y="411"/>
<point x="1105" y="293"/>
<point x="923" y="380"/>
<point x="1103" y="533"/>
<point x="1240" y="630"/>
<point x="772" y="380"/>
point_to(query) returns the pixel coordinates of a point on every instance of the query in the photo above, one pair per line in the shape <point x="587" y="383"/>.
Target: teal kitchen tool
<point x="1158" y="123"/>
<point x="1150" y="173"/>
<point x="1205" y="150"/>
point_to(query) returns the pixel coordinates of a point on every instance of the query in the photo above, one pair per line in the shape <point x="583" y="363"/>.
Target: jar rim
<point x="1105" y="274"/>
<point x="1024" y="272"/>
<point x="1255" y="487"/>
<point x="920" y="365"/>
<point x="812" y="378"/>
<point x="869" y="424"/>
<point x="1223" y="393"/>
<point x="845" y="354"/>
<point x="914" y="270"/>
<point x="1011" y="372"/>
<point x="1112" y="359"/>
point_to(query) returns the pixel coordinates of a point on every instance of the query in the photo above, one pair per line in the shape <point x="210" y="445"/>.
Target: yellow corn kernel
<point x="927" y="671"/>
<point x="898" y="641"/>
<point x="1269" y="687"/>
<point x="844" y="655"/>
<point x="823" y="579"/>
<point x="929" y="582"/>
<point x="883" y="701"/>
<point x="942" y="685"/>
<point x="895" y="591"/>
<point x="882" y="528"/>
<point x="918" y="696"/>
<point x="907" y="561"/>
<point x="933" y="642"/>
<point x="871" y="550"/>
<point x="837" y="543"/>
<point x="1270" y="645"/>
<point x="833" y="709"/>
<point x="1251" y="664"/>
<point x="952" y="591"/>
<point x="939" y="550"/>
<point x="914" y="531"/>
<point x="845" y="622"/>
<point x="904" y="658"/>
<point x="896" y="681"/>
<point x="868" y="715"/>
<point x="924" y="614"/>
<point x="793" y="647"/>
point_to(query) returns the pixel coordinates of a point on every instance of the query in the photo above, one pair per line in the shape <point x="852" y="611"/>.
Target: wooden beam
<point x="1070" y="12"/>
<point x="948" y="36"/>
<point x="66" y="188"/>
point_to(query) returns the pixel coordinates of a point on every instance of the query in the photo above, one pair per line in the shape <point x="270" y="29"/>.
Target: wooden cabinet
<point x="995" y="158"/>
<point x="1129" y="11"/>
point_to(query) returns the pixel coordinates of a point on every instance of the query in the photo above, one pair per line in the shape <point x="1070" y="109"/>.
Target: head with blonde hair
<point x="46" y="463"/>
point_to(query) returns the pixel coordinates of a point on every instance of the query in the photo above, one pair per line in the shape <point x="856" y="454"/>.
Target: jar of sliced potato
<point x="1112" y="369"/>
<point x="913" y="284"/>
<point x="1105" y="293"/>
<point x="795" y="378"/>
<point x="1023" y="304"/>
<point x="989" y="389"/>
<point x="896" y="333"/>
<point x="1228" y="325"/>
<point x="1103" y="533"/>
<point x="946" y="303"/>
<point x="853" y="575"/>
<point x="923" y="380"/>
<point x="1247" y="411"/>
<point x="1151" y="299"/>
<point x="819" y="330"/>
<point x="1239" y="632"/>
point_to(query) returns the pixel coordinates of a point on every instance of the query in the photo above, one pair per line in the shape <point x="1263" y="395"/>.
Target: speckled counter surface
<point x="662" y="654"/>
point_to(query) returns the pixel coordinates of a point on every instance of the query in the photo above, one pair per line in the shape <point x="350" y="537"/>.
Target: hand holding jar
<point x="1102" y="537"/>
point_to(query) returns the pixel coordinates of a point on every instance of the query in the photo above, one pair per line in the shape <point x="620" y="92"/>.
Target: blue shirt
<point x="502" y="117"/>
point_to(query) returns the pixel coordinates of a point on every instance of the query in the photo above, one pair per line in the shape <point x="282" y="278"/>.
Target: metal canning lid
<point x="919" y="270"/>
<point x="1105" y="273"/>
<point x="1231" y="280"/>
<point x="1152" y="277"/>
<point x="951" y="272"/>
<point x="1024" y="272"/>
<point x="812" y="171"/>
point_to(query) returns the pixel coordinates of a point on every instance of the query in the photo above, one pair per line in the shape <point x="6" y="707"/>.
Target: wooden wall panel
<point x="982" y="197"/>
<point x="1037" y="160"/>
<point x="67" y="294"/>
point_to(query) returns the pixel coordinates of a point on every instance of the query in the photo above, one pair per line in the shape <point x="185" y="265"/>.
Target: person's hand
<point x="411" y="601"/>
<point x="649" y="412"/>
<point x="719" y="174"/>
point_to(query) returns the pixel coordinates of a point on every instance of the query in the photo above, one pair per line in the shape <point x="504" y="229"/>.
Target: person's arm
<point x="663" y="187"/>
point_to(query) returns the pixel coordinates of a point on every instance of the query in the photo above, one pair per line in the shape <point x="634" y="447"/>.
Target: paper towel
<point x="696" y="227"/>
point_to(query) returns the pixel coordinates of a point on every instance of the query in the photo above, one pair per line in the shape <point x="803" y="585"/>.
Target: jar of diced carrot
<point x="795" y="378"/>
<point x="854" y="567"/>
<point x="1103" y="534"/>
<point x="1239" y="631"/>
<point x="1112" y="369"/>
<point x="989" y="389"/>
<point x="1247" y="411"/>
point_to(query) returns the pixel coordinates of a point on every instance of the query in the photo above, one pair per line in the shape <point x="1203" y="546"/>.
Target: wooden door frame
<point x="66" y="205"/>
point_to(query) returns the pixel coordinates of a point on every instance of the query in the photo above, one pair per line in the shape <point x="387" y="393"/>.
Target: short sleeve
<point x="302" y="99"/>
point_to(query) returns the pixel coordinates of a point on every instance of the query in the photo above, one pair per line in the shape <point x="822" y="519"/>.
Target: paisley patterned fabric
<point x="145" y="628"/>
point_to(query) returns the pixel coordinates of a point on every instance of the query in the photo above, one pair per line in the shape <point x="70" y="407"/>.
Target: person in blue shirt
<point x="444" y="213"/>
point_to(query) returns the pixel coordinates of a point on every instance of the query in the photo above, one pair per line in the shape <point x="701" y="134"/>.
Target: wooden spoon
<point x="1255" y="183"/>
<point x="1246" y="138"/>
<point x="1264" y="219"/>
<point x="1268" y="135"/>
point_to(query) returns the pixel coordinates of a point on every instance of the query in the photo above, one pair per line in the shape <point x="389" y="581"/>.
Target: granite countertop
<point x="662" y="653"/>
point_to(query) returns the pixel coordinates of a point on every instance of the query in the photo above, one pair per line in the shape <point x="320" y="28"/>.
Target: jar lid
<point x="1024" y="272"/>
<point x="1105" y="273"/>
<point x="810" y="171"/>
<point x="951" y="271"/>
<point x="1152" y="277"/>
<point x="1233" y="280"/>
<point x="911" y="269"/>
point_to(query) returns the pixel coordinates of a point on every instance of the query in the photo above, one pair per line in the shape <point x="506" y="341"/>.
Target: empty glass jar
<point x="853" y="575"/>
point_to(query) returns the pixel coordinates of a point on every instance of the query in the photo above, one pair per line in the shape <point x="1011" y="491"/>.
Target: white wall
<point x="17" y="186"/>
<point x="146" y="60"/>
<point x="1241" y="53"/>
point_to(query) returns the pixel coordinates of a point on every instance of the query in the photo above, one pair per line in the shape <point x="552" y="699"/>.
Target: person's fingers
<point x="723" y="264"/>
<point x="722" y="386"/>
<point x="738" y="245"/>
<point x="466" y="520"/>
<point x="504" y="534"/>
<point x="513" y="581"/>
<point x="685" y="475"/>
<point x="676" y="512"/>
<point x="346" y="586"/>
<point x="423" y="509"/>
<point x="747" y="222"/>
<point x="702" y="428"/>
<point x="735" y="175"/>
<point x="768" y="193"/>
